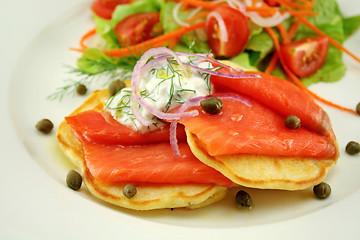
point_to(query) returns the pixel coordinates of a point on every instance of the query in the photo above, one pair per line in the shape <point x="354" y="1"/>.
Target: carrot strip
<point x="265" y="11"/>
<point x="305" y="13"/>
<point x="211" y="6"/>
<point x="173" y="43"/>
<point x="321" y="33"/>
<point x="273" y="62"/>
<point x="86" y="36"/>
<point x="283" y="33"/>
<point x="77" y="49"/>
<point x="197" y="16"/>
<point x="155" y="42"/>
<point x="297" y="81"/>
<point x="299" y="6"/>
<point x="198" y="3"/>
<point x="293" y="29"/>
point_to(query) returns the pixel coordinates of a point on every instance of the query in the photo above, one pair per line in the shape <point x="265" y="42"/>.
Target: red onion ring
<point x="162" y="54"/>
<point x="136" y="78"/>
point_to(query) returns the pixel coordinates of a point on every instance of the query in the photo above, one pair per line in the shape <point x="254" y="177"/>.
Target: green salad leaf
<point x="189" y="40"/>
<point x="351" y="25"/>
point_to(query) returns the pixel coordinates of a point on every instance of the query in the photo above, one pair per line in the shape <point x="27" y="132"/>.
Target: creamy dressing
<point x="164" y="87"/>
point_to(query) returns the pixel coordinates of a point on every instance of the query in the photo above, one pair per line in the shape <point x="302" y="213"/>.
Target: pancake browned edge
<point x="265" y="172"/>
<point x="148" y="197"/>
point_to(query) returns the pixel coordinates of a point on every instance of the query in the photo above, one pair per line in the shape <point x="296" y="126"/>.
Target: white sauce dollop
<point x="164" y="87"/>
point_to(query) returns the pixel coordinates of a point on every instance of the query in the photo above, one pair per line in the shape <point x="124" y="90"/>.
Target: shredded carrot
<point x="209" y="5"/>
<point x="304" y="5"/>
<point x="197" y="16"/>
<point x="283" y="33"/>
<point x="173" y="42"/>
<point x="155" y="42"/>
<point x="321" y="33"/>
<point x="199" y="3"/>
<point x="86" y="36"/>
<point x="293" y="29"/>
<point x="297" y="81"/>
<point x="273" y="62"/>
<point x="263" y="11"/>
<point x="304" y="13"/>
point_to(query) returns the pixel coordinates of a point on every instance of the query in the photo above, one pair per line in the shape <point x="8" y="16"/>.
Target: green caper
<point x="212" y="105"/>
<point x="115" y="86"/>
<point x="44" y="125"/>
<point x="74" y="180"/>
<point x="81" y="89"/>
<point x="243" y="199"/>
<point x="129" y="190"/>
<point x="358" y="108"/>
<point x="292" y="122"/>
<point x="352" y="148"/>
<point x="322" y="190"/>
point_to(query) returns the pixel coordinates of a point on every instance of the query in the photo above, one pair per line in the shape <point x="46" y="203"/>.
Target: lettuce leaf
<point x="351" y="25"/>
<point x="190" y="40"/>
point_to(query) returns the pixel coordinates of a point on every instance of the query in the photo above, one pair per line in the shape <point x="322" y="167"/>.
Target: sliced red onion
<point x="221" y="24"/>
<point x="237" y="5"/>
<point x="175" y="14"/>
<point x="136" y="78"/>
<point x="268" y="21"/>
<point x="221" y="74"/>
<point x="194" y="12"/>
<point x="173" y="138"/>
<point x="162" y="54"/>
<point x="137" y="114"/>
<point x="207" y="57"/>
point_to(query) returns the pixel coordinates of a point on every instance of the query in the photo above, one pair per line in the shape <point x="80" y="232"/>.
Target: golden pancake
<point x="148" y="197"/>
<point x="265" y="172"/>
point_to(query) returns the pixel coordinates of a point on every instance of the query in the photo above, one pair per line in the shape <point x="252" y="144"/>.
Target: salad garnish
<point x="272" y="24"/>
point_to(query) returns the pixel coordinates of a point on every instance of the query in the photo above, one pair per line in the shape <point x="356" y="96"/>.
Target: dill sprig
<point x="94" y="66"/>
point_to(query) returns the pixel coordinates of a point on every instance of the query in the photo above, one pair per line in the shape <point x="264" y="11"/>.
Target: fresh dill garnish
<point x="95" y="66"/>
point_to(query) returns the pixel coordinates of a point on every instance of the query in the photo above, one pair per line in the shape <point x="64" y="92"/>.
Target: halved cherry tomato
<point x="272" y="3"/>
<point x="234" y="24"/>
<point x="304" y="57"/>
<point x="105" y="8"/>
<point x="136" y="28"/>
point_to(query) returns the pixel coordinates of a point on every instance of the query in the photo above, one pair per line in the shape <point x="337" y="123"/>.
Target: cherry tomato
<point x="234" y="24"/>
<point x="105" y="8"/>
<point x="136" y="28"/>
<point x="272" y="3"/>
<point x="304" y="57"/>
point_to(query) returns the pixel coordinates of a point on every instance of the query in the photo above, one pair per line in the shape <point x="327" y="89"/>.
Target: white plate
<point x="35" y="201"/>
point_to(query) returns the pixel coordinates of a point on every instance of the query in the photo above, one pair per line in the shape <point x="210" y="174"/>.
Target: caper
<point x="81" y="89"/>
<point x="212" y="105"/>
<point x="74" y="180"/>
<point x="292" y="122"/>
<point x="115" y="86"/>
<point x="322" y="190"/>
<point x="243" y="199"/>
<point x="358" y="108"/>
<point x="352" y="148"/>
<point x="129" y="190"/>
<point x="44" y="125"/>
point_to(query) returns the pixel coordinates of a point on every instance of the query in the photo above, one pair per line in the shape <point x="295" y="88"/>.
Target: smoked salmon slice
<point x="282" y="96"/>
<point x="102" y="128"/>
<point x="251" y="128"/>
<point x="149" y="164"/>
<point x="117" y="154"/>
